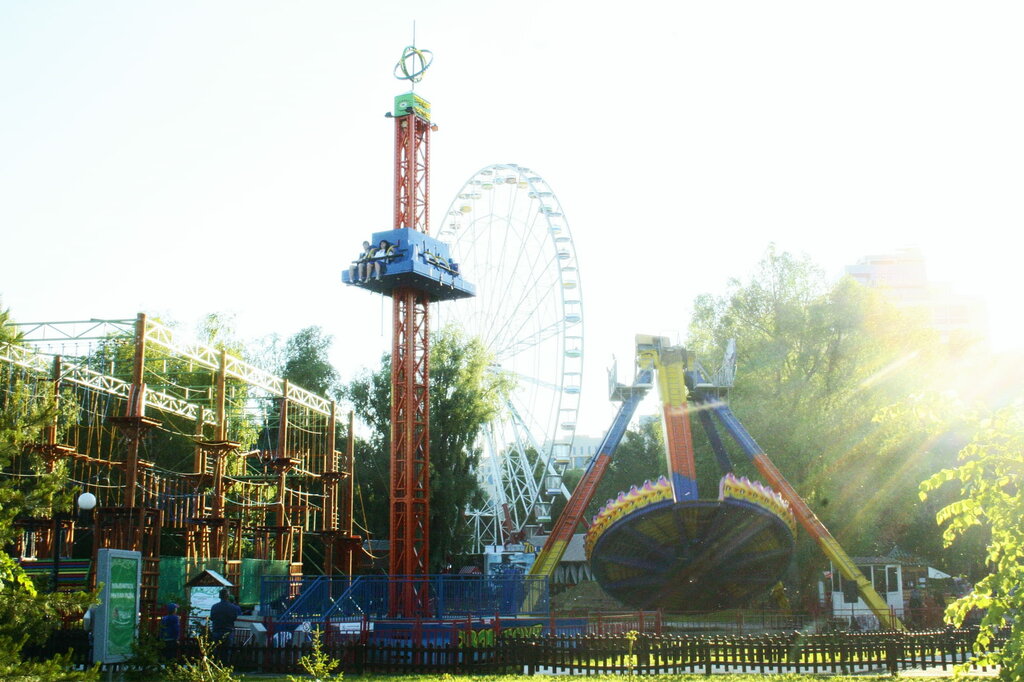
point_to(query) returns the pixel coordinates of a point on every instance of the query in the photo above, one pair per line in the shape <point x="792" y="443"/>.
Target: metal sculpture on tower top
<point x="414" y="269"/>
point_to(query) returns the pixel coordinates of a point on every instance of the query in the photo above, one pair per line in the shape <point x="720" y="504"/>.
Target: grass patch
<point x="725" y="677"/>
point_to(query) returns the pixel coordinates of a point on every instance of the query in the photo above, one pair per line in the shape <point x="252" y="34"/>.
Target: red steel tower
<point x="410" y="373"/>
<point x="414" y="269"/>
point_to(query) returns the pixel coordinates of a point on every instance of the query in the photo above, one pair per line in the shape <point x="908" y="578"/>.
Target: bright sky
<point x="181" y="158"/>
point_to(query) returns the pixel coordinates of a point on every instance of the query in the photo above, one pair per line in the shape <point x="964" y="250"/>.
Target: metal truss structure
<point x="188" y="448"/>
<point x="410" y="377"/>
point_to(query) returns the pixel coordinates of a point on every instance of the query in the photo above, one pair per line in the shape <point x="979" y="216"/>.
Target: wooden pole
<point x="135" y="411"/>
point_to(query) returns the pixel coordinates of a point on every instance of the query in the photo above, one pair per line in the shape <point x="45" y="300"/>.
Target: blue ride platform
<point x="415" y="261"/>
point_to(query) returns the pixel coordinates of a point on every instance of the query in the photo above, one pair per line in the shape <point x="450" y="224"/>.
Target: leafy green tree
<point x="640" y="457"/>
<point x="464" y="395"/>
<point x="218" y="331"/>
<point x="990" y="476"/>
<point x="304" y="360"/>
<point x="307" y="363"/>
<point x="370" y="395"/>
<point x="26" y="612"/>
<point x="926" y="428"/>
<point x="816" y="363"/>
<point x="267" y="353"/>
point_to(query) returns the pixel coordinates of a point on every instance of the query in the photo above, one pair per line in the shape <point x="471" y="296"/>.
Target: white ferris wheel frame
<point x="521" y="486"/>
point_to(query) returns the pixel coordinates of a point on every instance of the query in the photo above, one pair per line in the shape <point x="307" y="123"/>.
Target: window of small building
<point x="880" y="583"/>
<point x="850" y="592"/>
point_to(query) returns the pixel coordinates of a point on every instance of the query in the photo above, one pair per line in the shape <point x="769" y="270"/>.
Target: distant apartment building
<point x="583" y="450"/>
<point x="903" y="276"/>
<point x="585" y="447"/>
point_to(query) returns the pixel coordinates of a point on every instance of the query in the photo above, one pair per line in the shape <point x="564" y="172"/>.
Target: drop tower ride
<point x="414" y="269"/>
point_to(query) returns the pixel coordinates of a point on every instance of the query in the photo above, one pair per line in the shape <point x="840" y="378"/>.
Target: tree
<point x="640" y="457"/>
<point x="990" y="476"/>
<point x="816" y="363"/>
<point x="926" y="428"/>
<point x="303" y="361"/>
<point x="218" y="331"/>
<point x="370" y="395"/>
<point x="306" y="362"/>
<point x="464" y="395"/>
<point x="26" y="613"/>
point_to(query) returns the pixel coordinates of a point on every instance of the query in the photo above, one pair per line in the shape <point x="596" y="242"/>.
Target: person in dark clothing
<point x="170" y="631"/>
<point x="222" y="622"/>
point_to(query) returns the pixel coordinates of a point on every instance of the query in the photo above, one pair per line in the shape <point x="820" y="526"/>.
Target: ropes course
<point x="189" y="450"/>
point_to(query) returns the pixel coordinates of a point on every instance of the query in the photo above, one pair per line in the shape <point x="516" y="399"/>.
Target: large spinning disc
<point x="650" y="552"/>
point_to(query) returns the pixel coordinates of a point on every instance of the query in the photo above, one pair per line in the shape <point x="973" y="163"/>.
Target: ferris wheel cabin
<point x="409" y="259"/>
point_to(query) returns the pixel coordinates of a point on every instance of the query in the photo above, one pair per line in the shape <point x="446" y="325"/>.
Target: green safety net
<point x="171" y="585"/>
<point x="175" y="571"/>
<point x="253" y="571"/>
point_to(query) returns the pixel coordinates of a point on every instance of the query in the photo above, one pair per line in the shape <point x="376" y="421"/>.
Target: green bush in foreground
<point x="990" y="477"/>
<point x="318" y="665"/>
<point x="204" y="668"/>
<point x="57" y="669"/>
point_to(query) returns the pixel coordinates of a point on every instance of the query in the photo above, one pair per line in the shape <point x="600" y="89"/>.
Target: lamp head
<point x="86" y="501"/>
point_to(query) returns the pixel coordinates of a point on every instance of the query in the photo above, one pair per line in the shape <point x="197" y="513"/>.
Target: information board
<point x="201" y="600"/>
<point x="117" y="617"/>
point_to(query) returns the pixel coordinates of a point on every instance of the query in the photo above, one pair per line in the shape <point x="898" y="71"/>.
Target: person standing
<point x="170" y="631"/>
<point x="222" y="622"/>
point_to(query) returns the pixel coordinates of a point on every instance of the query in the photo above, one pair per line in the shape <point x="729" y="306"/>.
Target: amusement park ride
<point x="529" y="317"/>
<point x="657" y="546"/>
<point x="415" y="270"/>
<point x="660" y="546"/>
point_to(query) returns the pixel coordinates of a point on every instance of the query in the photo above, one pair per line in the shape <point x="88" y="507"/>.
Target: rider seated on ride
<point x="360" y="265"/>
<point x="383" y="253"/>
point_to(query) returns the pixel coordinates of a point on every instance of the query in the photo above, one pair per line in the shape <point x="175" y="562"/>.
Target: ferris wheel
<point x="507" y="231"/>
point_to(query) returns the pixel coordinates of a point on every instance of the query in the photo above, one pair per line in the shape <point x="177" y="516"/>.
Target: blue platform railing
<point x="318" y="598"/>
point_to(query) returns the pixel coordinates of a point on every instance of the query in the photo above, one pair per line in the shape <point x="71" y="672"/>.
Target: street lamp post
<point x="86" y="503"/>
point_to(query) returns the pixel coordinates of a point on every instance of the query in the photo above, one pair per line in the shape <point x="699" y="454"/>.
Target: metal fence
<point x="740" y="622"/>
<point x="844" y="653"/>
<point x="511" y="652"/>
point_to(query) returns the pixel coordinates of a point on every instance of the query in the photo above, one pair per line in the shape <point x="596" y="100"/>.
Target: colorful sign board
<point x="117" y="617"/>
